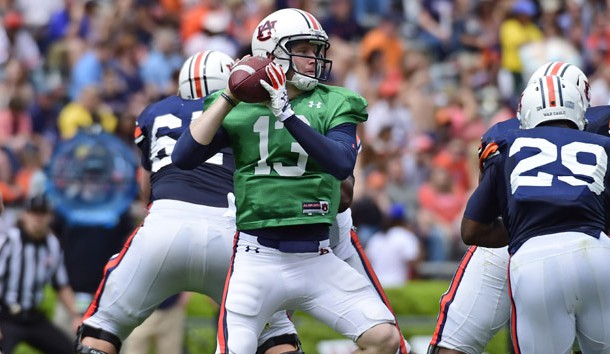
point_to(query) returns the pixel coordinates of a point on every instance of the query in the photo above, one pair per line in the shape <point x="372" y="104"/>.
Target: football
<point x="244" y="81"/>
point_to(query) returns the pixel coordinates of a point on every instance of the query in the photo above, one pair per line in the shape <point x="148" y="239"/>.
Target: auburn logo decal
<point x="264" y="30"/>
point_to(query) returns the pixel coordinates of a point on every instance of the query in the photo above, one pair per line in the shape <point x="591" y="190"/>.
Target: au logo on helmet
<point x="264" y="30"/>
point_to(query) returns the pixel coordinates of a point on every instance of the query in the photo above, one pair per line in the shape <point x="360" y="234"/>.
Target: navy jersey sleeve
<point x="142" y="137"/>
<point x="336" y="151"/>
<point x="487" y="148"/>
<point x="189" y="154"/>
<point x="484" y="203"/>
<point x="598" y="120"/>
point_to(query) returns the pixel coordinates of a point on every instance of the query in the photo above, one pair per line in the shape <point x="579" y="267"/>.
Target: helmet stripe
<point x="551" y="91"/>
<point x="541" y="84"/>
<point x="196" y="76"/>
<point x="302" y="13"/>
<point x="205" y="70"/>
<point x="560" y="90"/>
<point x="313" y="20"/>
<point x="555" y="68"/>
<point x="564" y="70"/>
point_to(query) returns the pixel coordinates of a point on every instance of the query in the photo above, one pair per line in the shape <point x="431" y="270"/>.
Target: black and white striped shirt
<point x="27" y="266"/>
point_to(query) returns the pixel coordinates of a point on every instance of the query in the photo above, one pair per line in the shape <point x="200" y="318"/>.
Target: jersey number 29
<point x="548" y="153"/>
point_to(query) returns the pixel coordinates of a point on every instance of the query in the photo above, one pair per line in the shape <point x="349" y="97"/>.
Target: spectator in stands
<point x="441" y="204"/>
<point x="193" y="15"/>
<point x="344" y="32"/>
<point x="44" y="111"/>
<point x="598" y="40"/>
<point x="435" y="21"/>
<point x="515" y="31"/>
<point x="89" y="68"/>
<point x="88" y="110"/>
<point x="126" y="65"/>
<point x="340" y="23"/>
<point x="369" y="13"/>
<point x="600" y="86"/>
<point x="390" y="111"/>
<point x="367" y="211"/>
<point x="162" y="61"/>
<point x="31" y="177"/>
<point x="18" y="43"/>
<point x="386" y="38"/>
<point x="214" y="34"/>
<point x="15" y="123"/>
<point x="394" y="250"/>
<point x="367" y="75"/>
<point x="15" y="82"/>
<point x="9" y="165"/>
<point x="75" y="18"/>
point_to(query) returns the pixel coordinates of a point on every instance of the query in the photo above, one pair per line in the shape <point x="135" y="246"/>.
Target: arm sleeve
<point x="483" y="205"/>
<point x="335" y="152"/>
<point x="188" y="153"/>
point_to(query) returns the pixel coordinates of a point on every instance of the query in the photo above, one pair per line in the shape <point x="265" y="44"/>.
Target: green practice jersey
<point x="276" y="183"/>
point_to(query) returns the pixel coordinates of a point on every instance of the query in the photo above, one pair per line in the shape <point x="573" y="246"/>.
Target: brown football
<point x="244" y="81"/>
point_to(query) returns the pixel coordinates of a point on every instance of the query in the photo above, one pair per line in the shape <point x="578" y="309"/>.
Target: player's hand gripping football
<point x="279" y="103"/>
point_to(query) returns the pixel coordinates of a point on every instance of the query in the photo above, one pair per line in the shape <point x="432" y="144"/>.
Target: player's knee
<point x="290" y="339"/>
<point x="98" y="334"/>
<point x="384" y="338"/>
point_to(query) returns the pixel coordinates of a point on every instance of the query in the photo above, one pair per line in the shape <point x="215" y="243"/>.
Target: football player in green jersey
<point x="291" y="154"/>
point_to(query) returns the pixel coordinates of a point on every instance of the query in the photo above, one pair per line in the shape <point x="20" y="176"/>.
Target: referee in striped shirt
<point x="30" y="259"/>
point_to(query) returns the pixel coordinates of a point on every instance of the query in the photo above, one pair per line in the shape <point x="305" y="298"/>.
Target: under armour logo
<point x="254" y="249"/>
<point x="317" y="104"/>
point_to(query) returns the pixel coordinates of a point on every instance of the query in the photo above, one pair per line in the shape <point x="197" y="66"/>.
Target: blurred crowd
<point x="436" y="75"/>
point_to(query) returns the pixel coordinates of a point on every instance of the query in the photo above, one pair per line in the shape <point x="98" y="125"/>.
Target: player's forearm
<point x="335" y="152"/>
<point x="204" y="128"/>
<point x="188" y="153"/>
<point x="492" y="235"/>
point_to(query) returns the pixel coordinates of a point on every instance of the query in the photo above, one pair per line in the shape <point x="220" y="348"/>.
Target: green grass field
<point x="416" y="306"/>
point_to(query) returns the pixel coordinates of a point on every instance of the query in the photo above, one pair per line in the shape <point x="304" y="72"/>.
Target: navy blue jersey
<point x="544" y="180"/>
<point x="158" y="128"/>
<point x="495" y="131"/>
<point x="598" y="119"/>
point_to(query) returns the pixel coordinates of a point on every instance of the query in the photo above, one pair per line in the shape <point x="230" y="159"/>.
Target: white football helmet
<point x="551" y="98"/>
<point x="204" y="73"/>
<point x="274" y="34"/>
<point x="569" y="72"/>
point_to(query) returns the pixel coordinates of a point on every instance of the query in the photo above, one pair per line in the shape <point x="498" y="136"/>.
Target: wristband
<point x="228" y="99"/>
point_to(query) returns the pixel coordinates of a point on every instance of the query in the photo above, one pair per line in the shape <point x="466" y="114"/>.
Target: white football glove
<point x="278" y="103"/>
